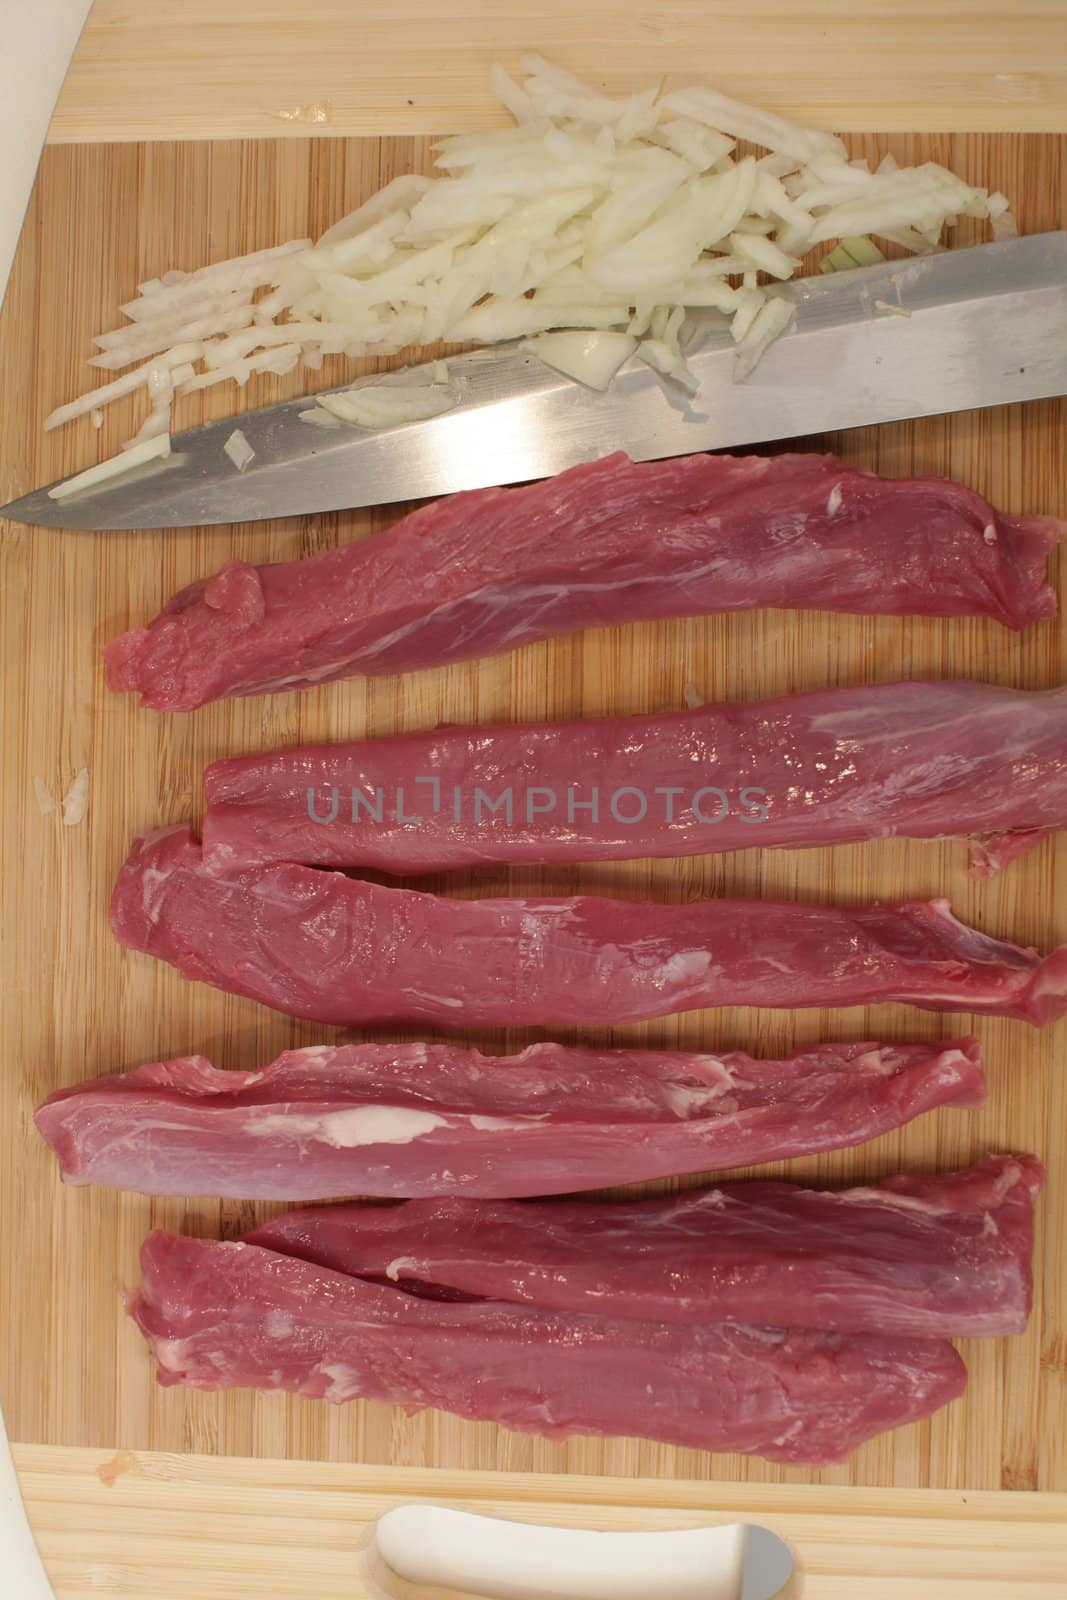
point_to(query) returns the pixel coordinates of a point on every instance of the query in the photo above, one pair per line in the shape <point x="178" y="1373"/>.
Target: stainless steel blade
<point x="946" y="332"/>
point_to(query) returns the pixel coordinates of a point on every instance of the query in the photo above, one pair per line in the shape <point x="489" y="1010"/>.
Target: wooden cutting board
<point x="163" y="1527"/>
<point x="150" y="69"/>
<point x="72" y="1369"/>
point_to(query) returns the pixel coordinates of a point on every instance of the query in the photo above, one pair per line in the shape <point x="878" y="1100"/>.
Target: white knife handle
<point x="21" y="1568"/>
<point x="422" y="1552"/>
<point x="39" y="41"/>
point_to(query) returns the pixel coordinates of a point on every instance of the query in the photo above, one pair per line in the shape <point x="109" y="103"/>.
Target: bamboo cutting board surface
<point x="265" y="1531"/>
<point x="150" y="69"/>
<point x="72" y="1370"/>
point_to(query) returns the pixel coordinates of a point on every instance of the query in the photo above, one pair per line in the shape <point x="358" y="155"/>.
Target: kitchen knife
<point x="950" y="331"/>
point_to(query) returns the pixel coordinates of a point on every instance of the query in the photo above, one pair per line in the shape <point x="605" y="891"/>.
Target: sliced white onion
<point x="379" y="405"/>
<point x="511" y="97"/>
<point x="76" y="799"/>
<point x="748" y="305"/>
<point x="122" y="386"/>
<point x="1002" y="221"/>
<point x="239" y="450"/>
<point x="592" y="215"/>
<point x="241" y="272"/>
<point x="591" y="358"/>
<point x="45" y="803"/>
<point x="850" y="253"/>
<point x="238" y="371"/>
<point x="898" y="199"/>
<point x="319" y="418"/>
<point x="696" y="143"/>
<point x="113" y="467"/>
<point x="762" y="253"/>
<point x="665" y="359"/>
<point x="154" y="426"/>
<point x="770" y="322"/>
<point x="125" y="345"/>
<point x="759" y="127"/>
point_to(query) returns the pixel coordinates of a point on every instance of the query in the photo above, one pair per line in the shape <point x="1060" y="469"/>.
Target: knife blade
<point x="952" y="331"/>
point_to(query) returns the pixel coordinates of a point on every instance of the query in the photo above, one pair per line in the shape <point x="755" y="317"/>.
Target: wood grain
<point x="150" y="69"/>
<point x="158" y="1527"/>
<point x="72" y="1369"/>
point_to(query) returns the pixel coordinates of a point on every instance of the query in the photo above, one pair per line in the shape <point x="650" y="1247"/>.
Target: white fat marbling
<point x="353" y="1127"/>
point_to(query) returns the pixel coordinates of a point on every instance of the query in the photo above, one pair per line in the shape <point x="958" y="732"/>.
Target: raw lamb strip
<point x="606" y="543"/>
<point x="223" y="1316"/>
<point x="923" y="760"/>
<point x="917" y="1257"/>
<point x="434" y="1119"/>
<point x="344" y="951"/>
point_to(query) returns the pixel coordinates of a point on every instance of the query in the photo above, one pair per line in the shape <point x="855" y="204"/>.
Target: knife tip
<point x="21" y="510"/>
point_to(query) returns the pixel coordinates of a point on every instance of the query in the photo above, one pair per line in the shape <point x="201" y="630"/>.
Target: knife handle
<point x="426" y="1552"/>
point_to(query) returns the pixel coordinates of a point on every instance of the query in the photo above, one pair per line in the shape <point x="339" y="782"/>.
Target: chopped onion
<point x="154" y="425"/>
<point x="239" y="450"/>
<point x="897" y="199"/>
<point x="242" y="272"/>
<point x="319" y="418"/>
<point x="583" y="227"/>
<point x="399" y="195"/>
<point x="763" y="254"/>
<point x="664" y="358"/>
<point x="750" y="302"/>
<point x="511" y="97"/>
<point x="130" y="381"/>
<point x="591" y="358"/>
<point x="381" y="405"/>
<point x="76" y="799"/>
<point x="113" y="467"/>
<point x="696" y="143"/>
<point x="758" y="127"/>
<point x="769" y="323"/>
<point x="153" y="338"/>
<point x="1001" y="219"/>
<point x="45" y="803"/>
<point x="851" y="252"/>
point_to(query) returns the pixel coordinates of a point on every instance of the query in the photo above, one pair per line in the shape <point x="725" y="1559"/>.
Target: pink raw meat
<point x="917" y="1257"/>
<point x="224" y="1316"/>
<point x="340" y="950"/>
<point x="602" y="544"/>
<point x="430" y="1119"/>
<point x="920" y="759"/>
<point x="990" y="856"/>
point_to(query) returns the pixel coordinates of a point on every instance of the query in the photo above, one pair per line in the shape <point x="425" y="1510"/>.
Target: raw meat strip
<point x="919" y="759"/>
<point x="990" y="856"/>
<point x="917" y="1257"/>
<point x="223" y="1316"/>
<point x="431" y="1119"/>
<point x="340" y="950"/>
<point x="602" y="544"/>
